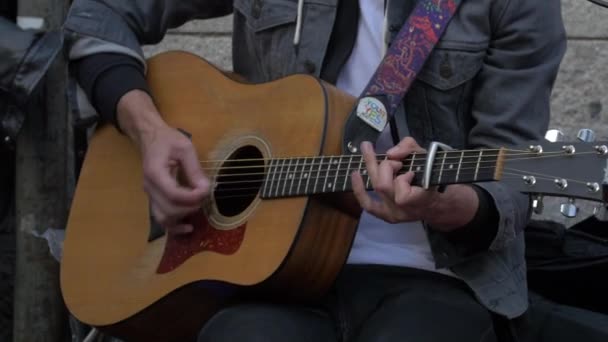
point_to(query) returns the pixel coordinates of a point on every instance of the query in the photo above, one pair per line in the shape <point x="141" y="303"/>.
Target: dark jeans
<point x="547" y="321"/>
<point x="371" y="303"/>
<point x="376" y="303"/>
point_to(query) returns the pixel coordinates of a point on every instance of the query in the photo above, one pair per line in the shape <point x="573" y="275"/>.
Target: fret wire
<point x="489" y="174"/>
<point x="265" y="179"/>
<point x="478" y="160"/>
<point x="367" y="182"/>
<point x="282" y="172"/>
<point x="286" y="178"/>
<point x="290" y="168"/>
<point x="441" y="169"/>
<point x="327" y="174"/>
<point x="265" y="192"/>
<point x="337" y="171"/>
<point x="418" y="168"/>
<point x="301" y="176"/>
<point x="487" y="169"/>
<point x="449" y="170"/>
<point x="359" y="166"/>
<point x="346" y="176"/>
<point x="309" y="176"/>
<point x="253" y="188"/>
<point x="412" y="163"/>
<point x="459" y="165"/>
<point x="314" y="189"/>
<point x="509" y="152"/>
<point x="531" y="155"/>
<point x="466" y="175"/>
<point x="274" y="174"/>
<point x="293" y="176"/>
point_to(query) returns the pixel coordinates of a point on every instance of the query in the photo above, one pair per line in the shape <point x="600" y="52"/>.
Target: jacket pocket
<point x="264" y="32"/>
<point x="442" y="96"/>
<point x="264" y="14"/>
<point x="446" y="69"/>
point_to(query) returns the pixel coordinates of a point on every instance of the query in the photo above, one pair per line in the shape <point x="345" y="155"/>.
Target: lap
<point x="433" y="309"/>
<point x="369" y="305"/>
<point x="550" y="321"/>
<point x="269" y="323"/>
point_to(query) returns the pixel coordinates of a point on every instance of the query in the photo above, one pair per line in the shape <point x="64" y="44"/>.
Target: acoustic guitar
<point x="271" y="150"/>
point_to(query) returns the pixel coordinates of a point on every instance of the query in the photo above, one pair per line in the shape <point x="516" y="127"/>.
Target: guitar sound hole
<point x="239" y="181"/>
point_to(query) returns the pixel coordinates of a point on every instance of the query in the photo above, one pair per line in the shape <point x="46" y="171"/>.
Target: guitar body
<point x="117" y="276"/>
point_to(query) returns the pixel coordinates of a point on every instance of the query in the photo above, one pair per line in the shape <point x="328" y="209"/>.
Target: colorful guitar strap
<point x="397" y="71"/>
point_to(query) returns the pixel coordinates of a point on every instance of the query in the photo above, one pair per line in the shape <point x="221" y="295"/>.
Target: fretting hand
<point x="400" y="201"/>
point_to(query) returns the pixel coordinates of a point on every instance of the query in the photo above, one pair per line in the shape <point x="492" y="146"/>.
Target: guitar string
<point x="384" y="155"/>
<point x="279" y="181"/>
<point x="345" y="155"/>
<point x="253" y="193"/>
<point x="345" y="172"/>
<point x="542" y="175"/>
<point x="330" y="166"/>
<point x="333" y="171"/>
<point x="340" y="184"/>
<point x="422" y="162"/>
<point x="337" y="178"/>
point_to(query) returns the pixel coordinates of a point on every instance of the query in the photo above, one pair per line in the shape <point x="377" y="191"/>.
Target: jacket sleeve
<point x="119" y="26"/>
<point x="511" y="104"/>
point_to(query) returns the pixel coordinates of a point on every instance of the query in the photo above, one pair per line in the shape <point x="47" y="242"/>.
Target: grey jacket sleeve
<point x="121" y="26"/>
<point x="511" y="106"/>
<point x="511" y="102"/>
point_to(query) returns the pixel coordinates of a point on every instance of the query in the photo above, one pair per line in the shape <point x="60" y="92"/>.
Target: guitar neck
<point x="288" y="177"/>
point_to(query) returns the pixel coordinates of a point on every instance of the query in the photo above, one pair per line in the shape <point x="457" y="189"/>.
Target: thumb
<point x="193" y="173"/>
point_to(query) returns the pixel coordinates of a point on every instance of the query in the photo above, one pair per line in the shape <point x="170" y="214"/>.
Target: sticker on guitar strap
<point x="373" y="112"/>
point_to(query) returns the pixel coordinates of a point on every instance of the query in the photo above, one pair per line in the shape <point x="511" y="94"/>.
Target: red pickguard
<point x="204" y="238"/>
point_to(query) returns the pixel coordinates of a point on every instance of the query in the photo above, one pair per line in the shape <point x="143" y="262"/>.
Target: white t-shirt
<point x="376" y="241"/>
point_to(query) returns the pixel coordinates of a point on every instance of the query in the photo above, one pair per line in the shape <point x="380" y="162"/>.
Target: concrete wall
<point x="578" y="100"/>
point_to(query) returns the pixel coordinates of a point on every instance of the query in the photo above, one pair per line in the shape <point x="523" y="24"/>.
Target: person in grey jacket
<point x="425" y="266"/>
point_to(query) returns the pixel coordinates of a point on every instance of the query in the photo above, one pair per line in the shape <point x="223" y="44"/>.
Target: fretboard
<point x="288" y="177"/>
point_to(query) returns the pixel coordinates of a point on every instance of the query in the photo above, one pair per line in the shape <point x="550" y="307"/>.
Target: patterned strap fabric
<point x="403" y="60"/>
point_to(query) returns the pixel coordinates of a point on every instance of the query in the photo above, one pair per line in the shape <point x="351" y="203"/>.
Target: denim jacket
<point x="487" y="84"/>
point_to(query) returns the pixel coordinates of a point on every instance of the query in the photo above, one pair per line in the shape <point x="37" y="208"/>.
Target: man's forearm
<point x="137" y="115"/>
<point x="478" y="232"/>
<point x="453" y="209"/>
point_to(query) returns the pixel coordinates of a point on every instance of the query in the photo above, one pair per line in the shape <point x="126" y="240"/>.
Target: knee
<point x="240" y="323"/>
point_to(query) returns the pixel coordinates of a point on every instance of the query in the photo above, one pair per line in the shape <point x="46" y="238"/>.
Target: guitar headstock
<point x="553" y="167"/>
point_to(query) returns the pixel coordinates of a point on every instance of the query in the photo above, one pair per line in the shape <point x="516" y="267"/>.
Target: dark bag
<point x="569" y="266"/>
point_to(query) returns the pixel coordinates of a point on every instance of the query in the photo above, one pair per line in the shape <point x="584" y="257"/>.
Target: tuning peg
<point x="586" y="135"/>
<point x="601" y="212"/>
<point x="537" y="204"/>
<point x="554" y="135"/>
<point x="569" y="209"/>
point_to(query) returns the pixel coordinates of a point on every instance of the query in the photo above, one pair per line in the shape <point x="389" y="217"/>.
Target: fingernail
<point x="203" y="183"/>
